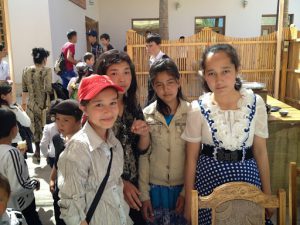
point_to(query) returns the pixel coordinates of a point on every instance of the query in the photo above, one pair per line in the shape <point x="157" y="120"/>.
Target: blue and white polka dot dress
<point x="211" y="173"/>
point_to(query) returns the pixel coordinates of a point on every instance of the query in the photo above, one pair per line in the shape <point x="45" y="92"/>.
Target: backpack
<point x="60" y="64"/>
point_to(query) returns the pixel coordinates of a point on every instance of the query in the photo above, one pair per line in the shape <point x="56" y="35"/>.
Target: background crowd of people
<point x="142" y="162"/>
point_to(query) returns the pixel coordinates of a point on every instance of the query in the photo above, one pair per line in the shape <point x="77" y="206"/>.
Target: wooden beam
<point x="278" y="48"/>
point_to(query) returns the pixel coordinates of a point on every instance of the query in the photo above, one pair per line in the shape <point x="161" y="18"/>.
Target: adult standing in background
<point x="96" y="48"/>
<point x="36" y="85"/>
<point x="4" y="67"/>
<point x="153" y="42"/>
<point x="68" y="50"/>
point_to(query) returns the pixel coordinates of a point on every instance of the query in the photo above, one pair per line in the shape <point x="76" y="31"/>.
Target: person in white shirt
<point x="6" y="101"/>
<point x="153" y="42"/>
<point x="4" y="68"/>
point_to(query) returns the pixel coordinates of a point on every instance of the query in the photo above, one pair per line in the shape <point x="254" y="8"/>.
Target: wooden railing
<point x="257" y="54"/>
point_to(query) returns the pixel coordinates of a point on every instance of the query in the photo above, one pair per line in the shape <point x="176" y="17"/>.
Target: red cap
<point x="91" y="86"/>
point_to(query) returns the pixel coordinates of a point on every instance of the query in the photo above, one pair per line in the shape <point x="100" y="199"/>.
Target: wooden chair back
<point x="239" y="203"/>
<point x="293" y="173"/>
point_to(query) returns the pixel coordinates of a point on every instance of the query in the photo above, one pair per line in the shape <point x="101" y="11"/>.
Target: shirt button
<point x="168" y="150"/>
<point x="168" y="167"/>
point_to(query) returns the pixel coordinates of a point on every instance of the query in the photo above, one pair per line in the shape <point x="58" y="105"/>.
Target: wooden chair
<point x="294" y="172"/>
<point x="239" y="203"/>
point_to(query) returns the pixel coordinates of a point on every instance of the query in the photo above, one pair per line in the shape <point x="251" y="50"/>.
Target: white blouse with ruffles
<point x="230" y="125"/>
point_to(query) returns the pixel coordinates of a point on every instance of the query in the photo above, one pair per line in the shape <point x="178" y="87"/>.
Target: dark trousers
<point x="31" y="215"/>
<point x="137" y="217"/>
<point x="58" y="220"/>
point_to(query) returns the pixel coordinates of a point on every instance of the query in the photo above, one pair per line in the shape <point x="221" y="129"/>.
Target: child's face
<point x="220" y="73"/>
<point x="66" y="125"/>
<point x="166" y="87"/>
<point x="8" y="98"/>
<point x="91" y="61"/>
<point x="120" y="74"/>
<point x="102" y="110"/>
<point x="104" y="42"/>
<point x="3" y="201"/>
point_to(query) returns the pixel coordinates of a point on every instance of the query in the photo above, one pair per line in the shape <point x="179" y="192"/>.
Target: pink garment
<point x="68" y="46"/>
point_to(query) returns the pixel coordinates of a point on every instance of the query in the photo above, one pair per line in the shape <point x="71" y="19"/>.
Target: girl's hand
<point x="131" y="195"/>
<point x="269" y="213"/>
<point x="140" y="127"/>
<point x="179" y="204"/>
<point x="52" y="186"/>
<point x="148" y="211"/>
<point x="83" y="222"/>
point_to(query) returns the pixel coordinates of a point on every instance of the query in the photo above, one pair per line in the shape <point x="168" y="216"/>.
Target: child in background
<point x="14" y="167"/>
<point x="68" y="121"/>
<point x="161" y="172"/>
<point x="6" y="102"/>
<point x="7" y="216"/>
<point x="226" y="132"/>
<point x="84" y="162"/>
<point x="89" y="59"/>
<point x="83" y="70"/>
<point x="46" y="144"/>
<point x="105" y="42"/>
<point x="119" y="67"/>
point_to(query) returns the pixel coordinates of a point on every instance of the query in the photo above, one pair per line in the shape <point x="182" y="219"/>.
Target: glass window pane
<point x="268" y="20"/>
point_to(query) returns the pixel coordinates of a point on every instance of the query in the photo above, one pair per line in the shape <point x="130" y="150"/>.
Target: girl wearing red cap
<point x="130" y="128"/>
<point x="89" y="155"/>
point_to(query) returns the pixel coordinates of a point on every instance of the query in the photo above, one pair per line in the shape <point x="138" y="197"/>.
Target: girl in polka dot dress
<point x="226" y="132"/>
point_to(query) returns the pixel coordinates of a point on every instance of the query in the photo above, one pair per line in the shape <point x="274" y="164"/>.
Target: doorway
<point x="91" y="24"/>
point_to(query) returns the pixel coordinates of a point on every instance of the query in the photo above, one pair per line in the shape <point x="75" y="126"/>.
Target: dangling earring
<point x="238" y="84"/>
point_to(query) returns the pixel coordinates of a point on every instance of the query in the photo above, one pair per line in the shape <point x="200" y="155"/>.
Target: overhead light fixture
<point x="177" y="5"/>
<point x="244" y="3"/>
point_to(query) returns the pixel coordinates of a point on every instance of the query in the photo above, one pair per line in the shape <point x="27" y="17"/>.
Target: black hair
<point x="83" y="70"/>
<point x="4" y="184"/>
<point x="164" y="65"/>
<point x="111" y="57"/>
<point x="105" y="36"/>
<point x="153" y="37"/>
<point x="181" y="37"/>
<point x="5" y="88"/>
<point x="8" y="121"/>
<point x="88" y="56"/>
<point x="1" y="47"/>
<point x="39" y="54"/>
<point x="71" y="34"/>
<point x="230" y="52"/>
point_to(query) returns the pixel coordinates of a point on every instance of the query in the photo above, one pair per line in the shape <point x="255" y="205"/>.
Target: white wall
<point x="116" y="15"/>
<point x="29" y="28"/>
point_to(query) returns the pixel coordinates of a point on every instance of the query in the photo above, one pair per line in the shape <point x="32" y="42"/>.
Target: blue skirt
<point x="163" y="200"/>
<point x="211" y="173"/>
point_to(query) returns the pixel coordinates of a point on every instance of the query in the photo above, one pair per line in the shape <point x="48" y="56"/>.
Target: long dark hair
<point x="115" y="57"/>
<point x="165" y="65"/>
<point x="231" y="53"/>
<point x="5" y="88"/>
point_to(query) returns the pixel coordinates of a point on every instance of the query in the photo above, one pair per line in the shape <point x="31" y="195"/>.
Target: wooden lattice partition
<point x="258" y="56"/>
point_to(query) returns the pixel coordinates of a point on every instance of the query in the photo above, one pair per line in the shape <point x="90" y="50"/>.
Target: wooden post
<point x="284" y="65"/>
<point x="293" y="193"/>
<point x="194" y="207"/>
<point x="278" y="49"/>
<point x="129" y="43"/>
<point x="9" y="47"/>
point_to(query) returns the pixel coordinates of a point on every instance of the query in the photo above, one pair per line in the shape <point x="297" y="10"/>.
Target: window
<point x="2" y="25"/>
<point x="268" y="23"/>
<point x="143" y="25"/>
<point x="216" y="23"/>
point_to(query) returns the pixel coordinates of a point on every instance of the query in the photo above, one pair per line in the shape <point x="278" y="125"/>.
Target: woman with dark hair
<point x="226" y="132"/>
<point x="36" y="85"/>
<point x="119" y="67"/>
